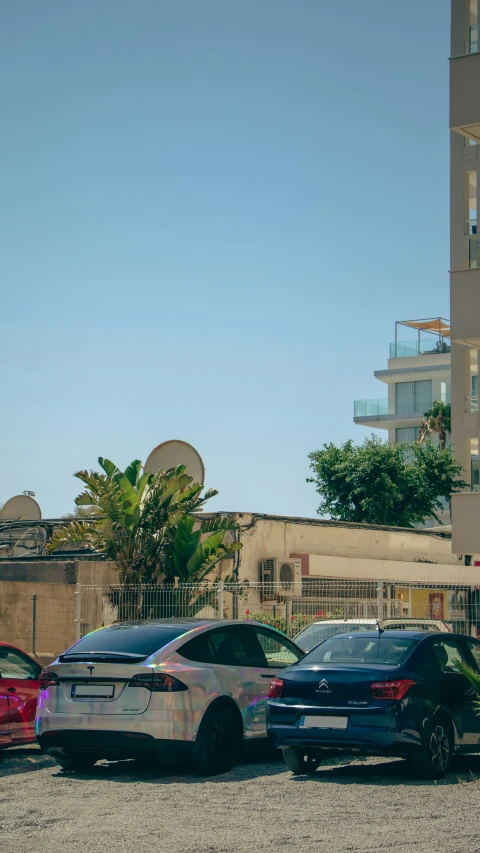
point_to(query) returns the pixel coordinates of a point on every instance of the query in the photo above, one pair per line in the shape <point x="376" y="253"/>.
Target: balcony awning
<point x="438" y="326"/>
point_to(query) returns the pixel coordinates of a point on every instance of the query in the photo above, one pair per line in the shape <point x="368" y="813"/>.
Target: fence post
<point x="221" y="589"/>
<point x="380" y="602"/>
<point x="34" y="622"/>
<point x="78" y="611"/>
<point x="287" y="621"/>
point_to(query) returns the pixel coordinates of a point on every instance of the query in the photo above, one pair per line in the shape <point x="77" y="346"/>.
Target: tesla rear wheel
<point x="299" y="762"/>
<point x="217" y="746"/>
<point x="434" y="760"/>
<point x="79" y="763"/>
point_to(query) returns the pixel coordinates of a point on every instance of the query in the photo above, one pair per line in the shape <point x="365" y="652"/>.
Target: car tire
<point x="79" y="763"/>
<point x="300" y="763"/>
<point x="434" y="760"/>
<point x="217" y="746"/>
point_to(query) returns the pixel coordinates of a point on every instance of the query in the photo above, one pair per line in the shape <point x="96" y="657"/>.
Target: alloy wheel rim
<point x="439" y="748"/>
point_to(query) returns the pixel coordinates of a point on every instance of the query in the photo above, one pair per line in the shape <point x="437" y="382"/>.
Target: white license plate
<point x="324" y="722"/>
<point x="92" y="691"/>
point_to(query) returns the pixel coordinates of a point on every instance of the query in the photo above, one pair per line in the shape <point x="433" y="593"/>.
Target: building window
<point x="472" y="42"/>
<point x="470" y="203"/>
<point x="474" y="466"/>
<point x="413" y="396"/>
<point x="468" y="143"/>
<point x="406" y="435"/>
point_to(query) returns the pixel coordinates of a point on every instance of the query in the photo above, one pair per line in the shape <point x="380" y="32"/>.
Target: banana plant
<point x="148" y="524"/>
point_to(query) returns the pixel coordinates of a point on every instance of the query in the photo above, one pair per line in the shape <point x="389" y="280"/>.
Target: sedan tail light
<point x="391" y="689"/>
<point x="275" y="689"/>
<point x="158" y="682"/>
<point x="48" y="679"/>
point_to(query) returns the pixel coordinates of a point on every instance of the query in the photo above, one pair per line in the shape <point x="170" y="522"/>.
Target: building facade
<point x="417" y="374"/>
<point x="465" y="265"/>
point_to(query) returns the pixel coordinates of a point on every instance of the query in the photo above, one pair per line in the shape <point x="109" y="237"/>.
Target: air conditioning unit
<point x="280" y="578"/>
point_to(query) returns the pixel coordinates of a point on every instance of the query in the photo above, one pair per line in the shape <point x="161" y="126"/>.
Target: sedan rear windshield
<point x="141" y="640"/>
<point x="315" y="634"/>
<point x="383" y="649"/>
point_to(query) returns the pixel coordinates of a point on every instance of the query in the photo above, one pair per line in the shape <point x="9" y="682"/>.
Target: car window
<point x="199" y="649"/>
<point x="278" y="652"/>
<point x="474" y="648"/>
<point x="383" y="649"/>
<point x="316" y="634"/>
<point x="235" y="646"/>
<point x="143" y="639"/>
<point x="15" y="665"/>
<point x="444" y="653"/>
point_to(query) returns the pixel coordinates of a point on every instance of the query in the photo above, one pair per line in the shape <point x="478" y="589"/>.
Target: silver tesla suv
<point x="176" y="690"/>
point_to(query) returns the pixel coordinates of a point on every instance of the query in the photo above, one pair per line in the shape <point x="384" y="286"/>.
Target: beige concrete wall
<point x="392" y="570"/>
<point x="98" y="573"/>
<point x="464" y="86"/>
<point x="267" y="537"/>
<point x="466" y="523"/>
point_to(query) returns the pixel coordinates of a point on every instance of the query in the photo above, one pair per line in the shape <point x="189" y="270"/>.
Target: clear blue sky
<point x="212" y="213"/>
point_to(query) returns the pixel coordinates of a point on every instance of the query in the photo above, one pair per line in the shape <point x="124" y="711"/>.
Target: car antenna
<point x="377" y="622"/>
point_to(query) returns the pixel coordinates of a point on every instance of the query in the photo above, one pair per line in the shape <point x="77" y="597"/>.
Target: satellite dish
<point x="169" y="454"/>
<point x="20" y="506"/>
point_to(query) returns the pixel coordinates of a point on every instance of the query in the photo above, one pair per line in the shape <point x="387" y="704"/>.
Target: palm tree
<point x="436" y="421"/>
<point x="148" y="524"/>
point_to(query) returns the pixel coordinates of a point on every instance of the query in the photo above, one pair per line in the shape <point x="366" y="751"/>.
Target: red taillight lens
<point x="48" y="679"/>
<point x="275" y="690"/>
<point x="391" y="689"/>
<point x="158" y="682"/>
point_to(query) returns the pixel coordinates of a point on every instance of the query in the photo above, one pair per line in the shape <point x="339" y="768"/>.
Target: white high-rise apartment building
<point x="465" y="266"/>
<point x="417" y="374"/>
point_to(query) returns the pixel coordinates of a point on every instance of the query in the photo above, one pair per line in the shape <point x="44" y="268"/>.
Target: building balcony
<point x="432" y="337"/>
<point x="464" y="88"/>
<point x="370" y="408"/>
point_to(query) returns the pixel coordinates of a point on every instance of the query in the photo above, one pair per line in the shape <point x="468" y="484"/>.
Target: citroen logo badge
<point x="323" y="686"/>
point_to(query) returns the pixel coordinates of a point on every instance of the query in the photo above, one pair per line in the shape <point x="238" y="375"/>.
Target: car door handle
<point x="267" y="676"/>
<point x="11" y="689"/>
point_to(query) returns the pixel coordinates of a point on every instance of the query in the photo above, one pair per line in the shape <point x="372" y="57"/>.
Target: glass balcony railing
<point x="426" y="346"/>
<point x="471" y="403"/>
<point x="367" y="408"/>
<point x="470" y="227"/>
<point x="473" y="44"/>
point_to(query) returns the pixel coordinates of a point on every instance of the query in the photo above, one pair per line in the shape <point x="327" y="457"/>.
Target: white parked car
<point x="317" y="632"/>
<point x="178" y="689"/>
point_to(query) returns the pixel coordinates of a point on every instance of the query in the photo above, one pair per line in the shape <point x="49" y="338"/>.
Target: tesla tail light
<point x="158" y="682"/>
<point x="48" y="679"/>
<point x="391" y="689"/>
<point x="275" y="689"/>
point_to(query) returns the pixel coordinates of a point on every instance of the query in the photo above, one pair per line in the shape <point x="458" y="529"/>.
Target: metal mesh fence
<point x="289" y="607"/>
<point x="42" y="625"/>
<point x="48" y="624"/>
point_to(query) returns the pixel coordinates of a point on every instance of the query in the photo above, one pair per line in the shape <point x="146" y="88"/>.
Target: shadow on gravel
<point x="130" y="771"/>
<point x="466" y="769"/>
<point x="23" y="759"/>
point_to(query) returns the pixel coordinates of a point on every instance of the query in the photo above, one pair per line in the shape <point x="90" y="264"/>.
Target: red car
<point x="19" y="676"/>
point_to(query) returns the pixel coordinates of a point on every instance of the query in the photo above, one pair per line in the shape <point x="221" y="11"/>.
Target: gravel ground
<point x="361" y="806"/>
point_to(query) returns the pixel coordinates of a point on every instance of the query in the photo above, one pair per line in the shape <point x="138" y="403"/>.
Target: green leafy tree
<point x="436" y="421"/>
<point x="146" y="524"/>
<point x="382" y="483"/>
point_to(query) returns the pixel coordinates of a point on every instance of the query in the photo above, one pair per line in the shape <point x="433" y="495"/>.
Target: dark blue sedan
<point x="391" y="693"/>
